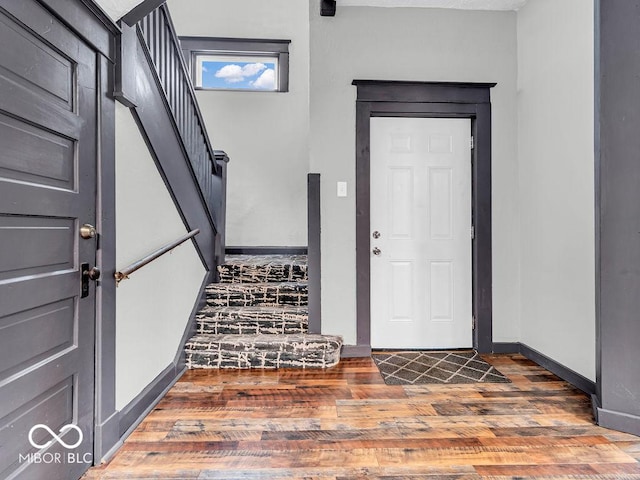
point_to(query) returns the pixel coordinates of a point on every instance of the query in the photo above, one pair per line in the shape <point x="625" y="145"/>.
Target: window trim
<point x="194" y="46"/>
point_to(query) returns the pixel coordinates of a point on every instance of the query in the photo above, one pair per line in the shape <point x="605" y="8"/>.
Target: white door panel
<point x="421" y="205"/>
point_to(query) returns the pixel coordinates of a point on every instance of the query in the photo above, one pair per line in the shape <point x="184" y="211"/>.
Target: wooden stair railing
<point x="157" y="33"/>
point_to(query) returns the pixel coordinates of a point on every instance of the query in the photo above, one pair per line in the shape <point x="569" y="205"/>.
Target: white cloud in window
<point x="233" y="73"/>
<point x="252" y="69"/>
<point x="267" y="80"/>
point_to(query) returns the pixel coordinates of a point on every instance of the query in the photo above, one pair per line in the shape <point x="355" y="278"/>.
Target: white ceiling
<point x="117" y="8"/>
<point x="457" y="4"/>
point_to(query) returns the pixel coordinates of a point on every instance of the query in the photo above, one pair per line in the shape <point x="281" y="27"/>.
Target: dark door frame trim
<point x="92" y="25"/>
<point x="435" y="100"/>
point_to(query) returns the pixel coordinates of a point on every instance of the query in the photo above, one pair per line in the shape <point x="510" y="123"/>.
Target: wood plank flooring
<point x="345" y="423"/>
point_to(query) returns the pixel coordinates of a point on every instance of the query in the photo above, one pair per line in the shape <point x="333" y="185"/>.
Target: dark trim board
<point x="141" y="10"/>
<point x="558" y="369"/>
<point x="89" y="21"/>
<point x="314" y="259"/>
<point x="106" y="416"/>
<point x="266" y="250"/>
<point x="597" y="195"/>
<point x="623" y="422"/>
<point x="125" y="82"/>
<point x="548" y="363"/>
<point x="180" y="360"/>
<point x="328" y="8"/>
<point x="506" y="347"/>
<point x="355" y="351"/>
<point x="438" y="100"/>
<point x="222" y="160"/>
<point x="139" y="407"/>
<point x="423" y="92"/>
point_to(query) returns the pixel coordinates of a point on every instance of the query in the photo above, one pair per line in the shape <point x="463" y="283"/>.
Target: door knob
<point x="93" y="273"/>
<point x="376" y="251"/>
<point x="88" y="273"/>
<point x="376" y="234"/>
<point x="87" y="231"/>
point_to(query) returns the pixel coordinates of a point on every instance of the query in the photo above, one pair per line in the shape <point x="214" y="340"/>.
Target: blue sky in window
<point x="238" y="75"/>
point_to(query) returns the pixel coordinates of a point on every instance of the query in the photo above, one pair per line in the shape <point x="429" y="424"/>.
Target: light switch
<point x="342" y="189"/>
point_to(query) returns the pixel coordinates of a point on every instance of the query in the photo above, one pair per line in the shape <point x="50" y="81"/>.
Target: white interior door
<point x="421" y="233"/>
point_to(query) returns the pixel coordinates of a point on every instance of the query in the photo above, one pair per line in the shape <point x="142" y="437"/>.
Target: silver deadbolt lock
<point x="87" y="231"/>
<point x="376" y="234"/>
<point x="376" y="251"/>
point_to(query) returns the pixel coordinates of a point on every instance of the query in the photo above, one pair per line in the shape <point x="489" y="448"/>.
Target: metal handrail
<point x="125" y="272"/>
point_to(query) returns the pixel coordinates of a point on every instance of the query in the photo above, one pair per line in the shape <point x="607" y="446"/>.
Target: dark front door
<point x="47" y="192"/>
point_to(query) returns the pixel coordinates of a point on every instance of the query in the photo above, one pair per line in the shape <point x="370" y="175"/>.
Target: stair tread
<point x="265" y="260"/>
<point x="254" y="310"/>
<point x="265" y="337"/>
<point x="231" y="321"/>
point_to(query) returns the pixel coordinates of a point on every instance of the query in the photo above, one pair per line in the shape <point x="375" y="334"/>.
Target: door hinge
<point x="473" y="232"/>
<point x="473" y="322"/>
<point x="472" y="143"/>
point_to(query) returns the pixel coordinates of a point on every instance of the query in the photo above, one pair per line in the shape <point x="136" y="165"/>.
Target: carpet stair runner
<point x="256" y="317"/>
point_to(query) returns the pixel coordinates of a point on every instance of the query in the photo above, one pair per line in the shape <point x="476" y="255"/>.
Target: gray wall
<point x="618" y="144"/>
<point x="543" y="253"/>
<point x="266" y="134"/>
<point x="556" y="180"/>
<point x="409" y="44"/>
<point x="153" y="306"/>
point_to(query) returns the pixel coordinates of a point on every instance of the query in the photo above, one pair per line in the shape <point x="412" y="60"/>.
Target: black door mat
<point x="420" y="367"/>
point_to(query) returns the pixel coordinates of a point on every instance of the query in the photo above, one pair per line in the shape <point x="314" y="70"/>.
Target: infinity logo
<point x="57" y="438"/>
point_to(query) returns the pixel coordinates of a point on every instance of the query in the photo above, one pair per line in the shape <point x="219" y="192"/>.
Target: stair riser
<point x="251" y="300"/>
<point x="265" y="296"/>
<point x="253" y="274"/>
<point x="263" y="269"/>
<point x="251" y="327"/>
<point x="252" y="320"/>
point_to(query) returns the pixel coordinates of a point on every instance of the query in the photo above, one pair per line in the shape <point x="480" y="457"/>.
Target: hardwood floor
<point x="345" y="423"/>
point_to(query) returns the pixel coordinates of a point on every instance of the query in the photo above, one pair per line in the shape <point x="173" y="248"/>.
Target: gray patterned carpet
<point x="420" y="367"/>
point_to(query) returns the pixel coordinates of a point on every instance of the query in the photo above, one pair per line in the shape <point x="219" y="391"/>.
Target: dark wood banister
<point x="155" y="37"/>
<point x="141" y="10"/>
<point x="172" y="89"/>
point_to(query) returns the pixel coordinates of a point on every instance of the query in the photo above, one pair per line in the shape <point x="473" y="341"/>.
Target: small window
<point x="237" y="64"/>
<point x="236" y="72"/>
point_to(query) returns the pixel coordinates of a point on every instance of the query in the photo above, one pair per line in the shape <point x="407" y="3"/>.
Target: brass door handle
<point x="87" y="231"/>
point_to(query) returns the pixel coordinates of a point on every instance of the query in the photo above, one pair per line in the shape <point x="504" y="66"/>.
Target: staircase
<point x="256" y="317"/>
